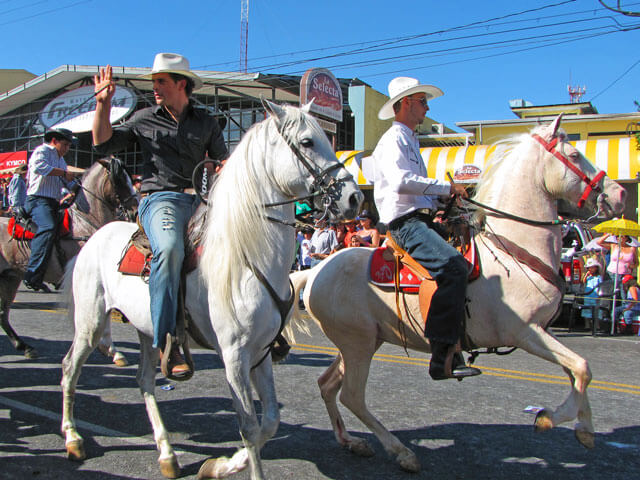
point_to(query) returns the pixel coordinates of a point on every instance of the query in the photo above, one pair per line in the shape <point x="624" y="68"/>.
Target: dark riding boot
<point x="447" y="363"/>
<point x="280" y="348"/>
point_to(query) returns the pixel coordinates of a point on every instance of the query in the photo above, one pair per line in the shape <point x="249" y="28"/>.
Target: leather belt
<point x="397" y="223"/>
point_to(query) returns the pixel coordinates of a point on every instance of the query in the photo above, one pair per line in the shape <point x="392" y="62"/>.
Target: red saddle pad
<point x="381" y="270"/>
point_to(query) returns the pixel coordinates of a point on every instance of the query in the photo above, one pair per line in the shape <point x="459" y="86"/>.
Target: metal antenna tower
<point x="244" y="33"/>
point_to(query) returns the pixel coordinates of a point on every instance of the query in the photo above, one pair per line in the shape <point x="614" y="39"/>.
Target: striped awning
<point x="619" y="157"/>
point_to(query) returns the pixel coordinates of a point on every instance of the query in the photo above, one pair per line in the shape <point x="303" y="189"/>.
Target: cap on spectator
<point x="366" y="214"/>
<point x="627" y="278"/>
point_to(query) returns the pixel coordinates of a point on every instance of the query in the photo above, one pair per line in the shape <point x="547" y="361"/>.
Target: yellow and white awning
<point x="619" y="157"/>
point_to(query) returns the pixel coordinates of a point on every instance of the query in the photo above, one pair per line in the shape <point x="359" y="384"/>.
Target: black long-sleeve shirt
<point x="170" y="150"/>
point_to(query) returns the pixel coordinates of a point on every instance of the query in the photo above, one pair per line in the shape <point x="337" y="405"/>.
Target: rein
<point x="510" y="216"/>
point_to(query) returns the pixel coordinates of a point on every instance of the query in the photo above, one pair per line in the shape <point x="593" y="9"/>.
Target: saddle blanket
<point x="381" y="270"/>
<point x="17" y="231"/>
<point x="134" y="262"/>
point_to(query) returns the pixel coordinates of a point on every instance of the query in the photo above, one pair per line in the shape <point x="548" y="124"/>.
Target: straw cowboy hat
<point x="401" y="87"/>
<point x="173" y="63"/>
<point x="21" y="168"/>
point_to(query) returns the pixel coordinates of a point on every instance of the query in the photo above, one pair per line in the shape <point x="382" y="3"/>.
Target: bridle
<point x="323" y="185"/>
<point x="592" y="185"/>
<point x="120" y="203"/>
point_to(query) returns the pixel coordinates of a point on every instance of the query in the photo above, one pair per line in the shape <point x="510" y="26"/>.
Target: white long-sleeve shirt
<point x="400" y="179"/>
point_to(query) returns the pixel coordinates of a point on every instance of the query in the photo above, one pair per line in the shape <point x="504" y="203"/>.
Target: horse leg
<point x="146" y="378"/>
<point x="330" y="383"/>
<point x="250" y="431"/>
<point x="8" y="293"/>
<point x="71" y="367"/>
<point x="107" y="348"/>
<point x="546" y="346"/>
<point x="357" y="360"/>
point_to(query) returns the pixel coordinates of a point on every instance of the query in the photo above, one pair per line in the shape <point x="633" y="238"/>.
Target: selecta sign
<point x="75" y="109"/>
<point x="319" y="85"/>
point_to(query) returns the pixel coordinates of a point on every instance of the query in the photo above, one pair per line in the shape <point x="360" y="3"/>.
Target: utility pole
<point x="244" y="33"/>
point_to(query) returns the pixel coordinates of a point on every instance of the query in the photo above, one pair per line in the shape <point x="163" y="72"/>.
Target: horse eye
<point x="306" y="142"/>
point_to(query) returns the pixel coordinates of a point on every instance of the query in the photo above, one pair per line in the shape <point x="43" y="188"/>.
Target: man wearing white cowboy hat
<point x="406" y="199"/>
<point x="47" y="176"/>
<point x="173" y="137"/>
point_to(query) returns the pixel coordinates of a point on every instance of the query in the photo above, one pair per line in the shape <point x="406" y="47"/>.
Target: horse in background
<point x="238" y="297"/>
<point x="511" y="304"/>
<point x="106" y="194"/>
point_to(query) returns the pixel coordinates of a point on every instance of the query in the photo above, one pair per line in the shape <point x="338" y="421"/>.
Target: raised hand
<point x="104" y="85"/>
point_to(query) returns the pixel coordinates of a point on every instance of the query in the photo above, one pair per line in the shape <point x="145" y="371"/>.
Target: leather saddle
<point x="392" y="267"/>
<point x="21" y="227"/>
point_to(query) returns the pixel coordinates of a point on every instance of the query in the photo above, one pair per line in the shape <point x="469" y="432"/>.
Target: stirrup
<point x="164" y="361"/>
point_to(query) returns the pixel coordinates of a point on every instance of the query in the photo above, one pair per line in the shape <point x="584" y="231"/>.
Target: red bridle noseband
<point x="592" y="185"/>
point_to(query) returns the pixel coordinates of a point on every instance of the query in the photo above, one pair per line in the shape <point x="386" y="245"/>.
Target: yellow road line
<point x="491" y="371"/>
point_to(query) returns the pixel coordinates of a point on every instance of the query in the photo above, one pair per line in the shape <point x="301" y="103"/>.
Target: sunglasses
<point x="422" y="100"/>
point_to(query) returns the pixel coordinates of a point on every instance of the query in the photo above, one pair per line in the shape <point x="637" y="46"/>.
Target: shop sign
<point x="11" y="160"/>
<point x="467" y="174"/>
<point x="319" y="85"/>
<point x="75" y="109"/>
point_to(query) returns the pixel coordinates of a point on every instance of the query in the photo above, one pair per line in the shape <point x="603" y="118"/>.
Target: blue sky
<point x="481" y="54"/>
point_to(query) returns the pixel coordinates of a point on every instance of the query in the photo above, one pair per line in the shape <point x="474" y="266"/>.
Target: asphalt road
<point x="474" y="429"/>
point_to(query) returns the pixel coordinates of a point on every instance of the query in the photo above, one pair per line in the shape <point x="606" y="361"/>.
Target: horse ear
<point x="555" y="125"/>
<point x="306" y="108"/>
<point x="273" y="109"/>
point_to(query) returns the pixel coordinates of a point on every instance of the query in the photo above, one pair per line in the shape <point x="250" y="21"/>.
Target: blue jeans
<point x="165" y="216"/>
<point x="448" y="268"/>
<point x="44" y="213"/>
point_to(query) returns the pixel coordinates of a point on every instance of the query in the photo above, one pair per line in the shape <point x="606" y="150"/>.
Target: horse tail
<point x="299" y="320"/>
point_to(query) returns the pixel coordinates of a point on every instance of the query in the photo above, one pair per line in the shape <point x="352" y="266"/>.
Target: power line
<point x="614" y="82"/>
<point x="58" y="8"/>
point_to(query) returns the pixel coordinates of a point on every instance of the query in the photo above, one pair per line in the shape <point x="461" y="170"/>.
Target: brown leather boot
<point x="447" y="363"/>
<point x="176" y="364"/>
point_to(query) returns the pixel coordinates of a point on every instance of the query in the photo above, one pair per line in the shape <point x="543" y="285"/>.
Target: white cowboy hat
<point x="592" y="262"/>
<point x="401" y="87"/>
<point x="173" y="63"/>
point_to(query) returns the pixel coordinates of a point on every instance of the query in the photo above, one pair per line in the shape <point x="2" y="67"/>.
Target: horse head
<point x="570" y="176"/>
<point x="318" y="173"/>
<point x="119" y="190"/>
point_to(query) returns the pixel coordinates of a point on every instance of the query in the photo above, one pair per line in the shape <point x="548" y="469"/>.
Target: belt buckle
<point x="424" y="211"/>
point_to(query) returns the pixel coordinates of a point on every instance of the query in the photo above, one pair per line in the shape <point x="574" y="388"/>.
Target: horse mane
<point x="492" y="176"/>
<point x="237" y="234"/>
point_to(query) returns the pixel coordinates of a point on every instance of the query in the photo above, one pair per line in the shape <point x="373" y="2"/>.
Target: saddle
<point x="392" y="267"/>
<point x="21" y="227"/>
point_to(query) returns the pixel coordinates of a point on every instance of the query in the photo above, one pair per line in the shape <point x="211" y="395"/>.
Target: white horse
<point x="248" y="234"/>
<point x="511" y="304"/>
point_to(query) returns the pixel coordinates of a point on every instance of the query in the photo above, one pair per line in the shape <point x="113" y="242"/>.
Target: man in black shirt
<point x="174" y="137"/>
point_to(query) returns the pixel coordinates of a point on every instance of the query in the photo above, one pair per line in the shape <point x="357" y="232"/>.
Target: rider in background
<point x="174" y="137"/>
<point x="406" y="200"/>
<point x="48" y="175"/>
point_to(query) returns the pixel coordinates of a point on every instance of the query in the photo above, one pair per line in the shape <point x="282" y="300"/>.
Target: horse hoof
<point x="169" y="467"/>
<point x="586" y="439"/>
<point x="214" y="468"/>
<point x="543" y="421"/>
<point x="408" y="462"/>
<point x="30" y="353"/>
<point x="361" y="447"/>
<point x="120" y="360"/>
<point x="75" y="451"/>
